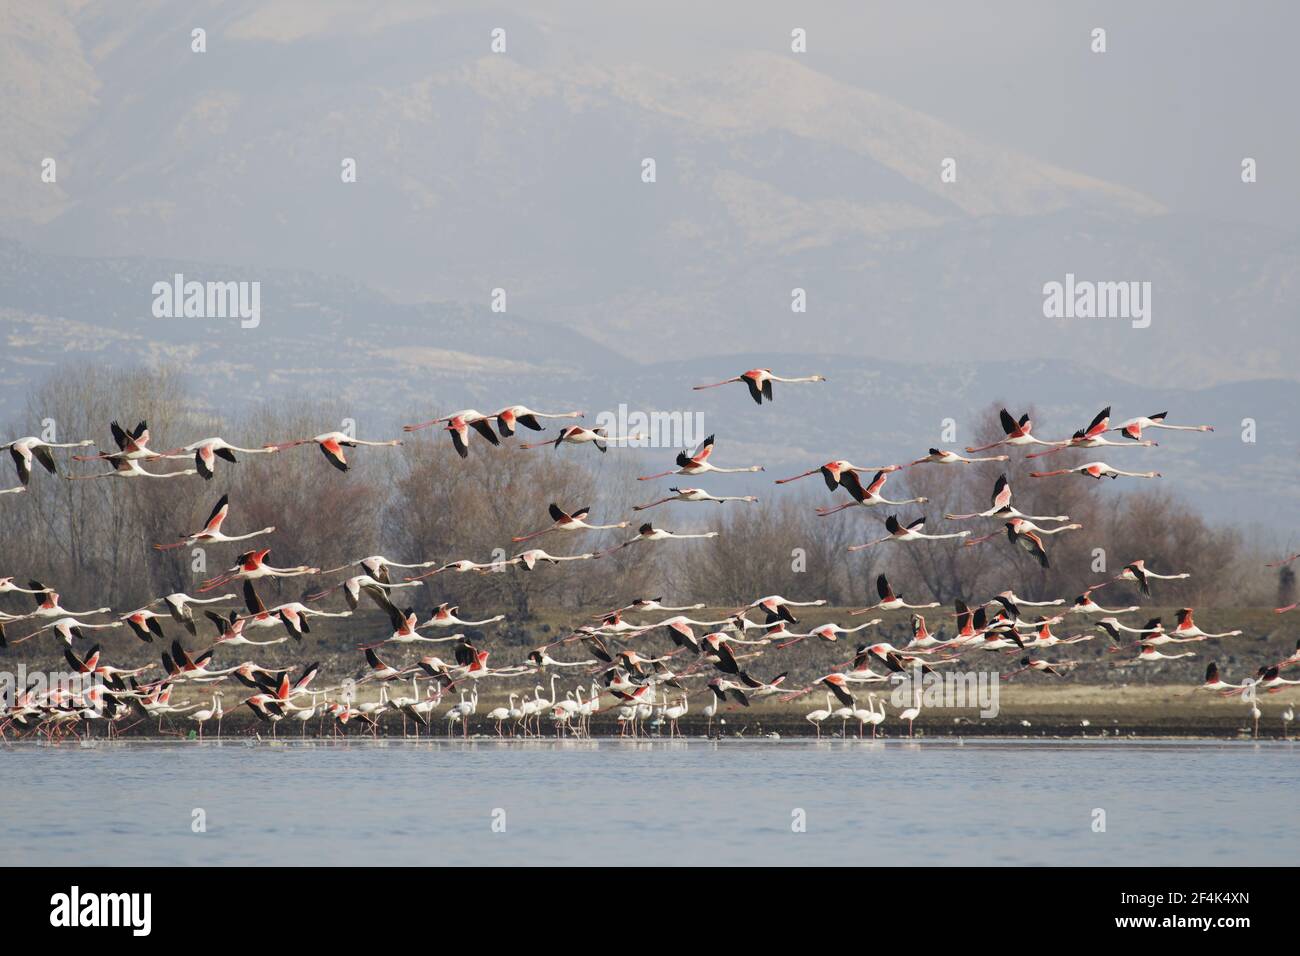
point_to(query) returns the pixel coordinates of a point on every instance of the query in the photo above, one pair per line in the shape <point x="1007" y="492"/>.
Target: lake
<point x="636" y="803"/>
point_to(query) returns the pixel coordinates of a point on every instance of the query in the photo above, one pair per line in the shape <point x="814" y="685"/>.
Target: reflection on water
<point x="649" y="802"/>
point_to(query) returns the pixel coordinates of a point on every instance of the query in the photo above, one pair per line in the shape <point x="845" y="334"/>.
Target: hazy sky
<point x="1184" y="91"/>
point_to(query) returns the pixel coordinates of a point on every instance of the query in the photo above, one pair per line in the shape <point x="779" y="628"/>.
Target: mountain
<point x="522" y="171"/>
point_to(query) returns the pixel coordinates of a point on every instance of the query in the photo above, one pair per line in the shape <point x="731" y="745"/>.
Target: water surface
<point x="624" y="803"/>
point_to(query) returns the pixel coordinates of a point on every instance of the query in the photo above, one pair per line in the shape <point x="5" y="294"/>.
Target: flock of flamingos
<point x="736" y="657"/>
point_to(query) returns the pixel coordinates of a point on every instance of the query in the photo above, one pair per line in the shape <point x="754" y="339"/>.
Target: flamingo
<point x="1150" y="655"/>
<point x="564" y="521"/>
<point x="231" y="630"/>
<point x="693" y="494"/>
<point x="201" y="717"/>
<point x="1138" y="571"/>
<point x="461" y="567"/>
<point x="816" y="717"/>
<point x="1214" y="682"/>
<point x="1091" y="437"/>
<point x="675" y="713"/>
<point x="131" y="445"/>
<point x="1097" y="470"/>
<point x="356" y="585"/>
<point x="47" y="604"/>
<point x="376" y="566"/>
<point x="512" y="415"/>
<point x="759" y="382"/>
<point x="124" y="467"/>
<point x="206" y="451"/>
<point x="1024" y="526"/>
<point x="941" y="456"/>
<point x="1034" y="664"/>
<point x="1186" y="627"/>
<point x="211" y="532"/>
<point x="178" y="605"/>
<point x="252" y="565"/>
<point x="332" y="444"/>
<point x="655" y="604"/>
<point x="1133" y="427"/>
<point x="900" y="534"/>
<point x="67" y="629"/>
<point x="912" y="712"/>
<point x="578" y="435"/>
<point x="697" y="463"/>
<point x="444" y="615"/>
<point x="1084" y="604"/>
<point x="868" y="496"/>
<point x="535" y="556"/>
<point x="834" y="471"/>
<point x="890" y="601"/>
<point x="1018" y="433"/>
<point x="648" y="532"/>
<point x="24" y="450"/>
<point x="1001" y="507"/>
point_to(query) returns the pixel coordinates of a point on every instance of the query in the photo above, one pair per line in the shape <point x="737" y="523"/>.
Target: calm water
<point x="624" y="803"/>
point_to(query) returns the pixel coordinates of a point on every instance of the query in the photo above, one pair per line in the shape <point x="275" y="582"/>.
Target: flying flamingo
<point x="47" y="604"/>
<point x="67" y="628"/>
<point x="941" y="456"/>
<point x="1084" y="604"/>
<point x="1038" y="666"/>
<point x="693" y="494"/>
<point x="759" y="382"/>
<point x="444" y="615"/>
<point x="697" y="463"/>
<point x="578" y="435"/>
<point x="23" y="450"/>
<point x="251" y="565"/>
<point x="376" y="566"/>
<point x="531" y="558"/>
<point x="513" y="415"/>
<point x="1095" y="469"/>
<point x="900" y="534"/>
<point x="7" y="586"/>
<point x="867" y="497"/>
<point x="124" y="467"/>
<point x="1149" y="655"/>
<point x="1138" y="571"/>
<point x="889" y="601"/>
<point x="231" y="630"/>
<point x="461" y="566"/>
<point x="1133" y="427"/>
<point x="1091" y="437"/>
<point x="564" y="521"/>
<point x="1001" y="507"/>
<point x="648" y="532"/>
<point x="833" y="472"/>
<point x="1017" y="432"/>
<point x="211" y="532"/>
<point x="132" y="445"/>
<point x="1025" y="526"/>
<point x="332" y="444"/>
<point x="206" y="452"/>
<point x="458" y="425"/>
<point x="1186" y="627"/>
<point x="654" y="604"/>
